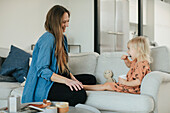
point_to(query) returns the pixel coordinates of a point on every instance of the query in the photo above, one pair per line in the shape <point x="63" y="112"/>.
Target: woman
<point x="49" y="76"/>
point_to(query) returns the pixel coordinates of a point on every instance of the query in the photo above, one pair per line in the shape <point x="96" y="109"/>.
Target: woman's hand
<point x="74" y="84"/>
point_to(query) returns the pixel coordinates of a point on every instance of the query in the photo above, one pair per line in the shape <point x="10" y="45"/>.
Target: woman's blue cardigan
<point x="43" y="65"/>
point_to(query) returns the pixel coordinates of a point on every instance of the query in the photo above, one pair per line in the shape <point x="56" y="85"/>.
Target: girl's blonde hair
<point x="142" y="47"/>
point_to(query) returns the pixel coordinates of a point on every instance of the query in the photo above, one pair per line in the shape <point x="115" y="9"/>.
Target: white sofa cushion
<point x="89" y="108"/>
<point x="17" y="91"/>
<point x="4" y="52"/>
<point x="161" y="59"/>
<point x="110" y="61"/>
<point x="3" y="103"/>
<point x="6" y="88"/>
<point x="122" y="102"/>
<point x="83" y="63"/>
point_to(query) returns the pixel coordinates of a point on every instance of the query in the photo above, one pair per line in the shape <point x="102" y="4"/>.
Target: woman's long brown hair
<point x="53" y="25"/>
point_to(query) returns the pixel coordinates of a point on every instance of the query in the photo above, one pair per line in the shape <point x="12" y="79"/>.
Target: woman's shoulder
<point x="47" y="38"/>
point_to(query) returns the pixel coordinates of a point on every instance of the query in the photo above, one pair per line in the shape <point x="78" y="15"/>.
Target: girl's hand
<point x="121" y="81"/>
<point x="74" y="84"/>
<point x="124" y="57"/>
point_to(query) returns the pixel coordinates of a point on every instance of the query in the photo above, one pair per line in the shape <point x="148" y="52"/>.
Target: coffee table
<point x="71" y="110"/>
<point x="78" y="110"/>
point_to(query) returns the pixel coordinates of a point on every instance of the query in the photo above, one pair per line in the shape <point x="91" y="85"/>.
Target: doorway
<point x="112" y="25"/>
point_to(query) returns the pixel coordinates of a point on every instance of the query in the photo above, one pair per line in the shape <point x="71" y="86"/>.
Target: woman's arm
<point x="69" y="82"/>
<point x="129" y="83"/>
<point x="72" y="77"/>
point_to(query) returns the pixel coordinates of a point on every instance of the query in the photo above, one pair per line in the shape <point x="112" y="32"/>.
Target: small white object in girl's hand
<point x="123" y="76"/>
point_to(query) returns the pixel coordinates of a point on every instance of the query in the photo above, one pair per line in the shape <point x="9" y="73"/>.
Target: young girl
<point x="139" y="51"/>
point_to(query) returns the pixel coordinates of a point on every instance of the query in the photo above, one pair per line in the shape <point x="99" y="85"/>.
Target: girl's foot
<point x="109" y="86"/>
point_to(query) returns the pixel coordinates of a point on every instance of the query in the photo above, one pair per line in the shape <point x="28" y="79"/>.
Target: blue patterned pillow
<point x="16" y="64"/>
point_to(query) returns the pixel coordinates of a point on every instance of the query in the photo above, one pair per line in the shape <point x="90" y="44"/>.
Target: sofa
<point x="155" y="87"/>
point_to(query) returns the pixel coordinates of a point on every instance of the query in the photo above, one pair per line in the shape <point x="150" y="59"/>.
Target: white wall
<point x="148" y="29"/>
<point x="114" y="18"/>
<point x="107" y="23"/>
<point x="81" y="30"/>
<point x="158" y="24"/>
<point x="162" y="23"/>
<point x="133" y="11"/>
<point x="22" y="22"/>
<point x="122" y="24"/>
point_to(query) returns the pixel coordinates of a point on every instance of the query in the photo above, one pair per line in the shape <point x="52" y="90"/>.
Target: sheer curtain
<point x="114" y="25"/>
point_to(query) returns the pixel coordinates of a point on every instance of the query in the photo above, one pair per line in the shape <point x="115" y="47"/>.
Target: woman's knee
<point x="78" y="97"/>
<point x="86" y="79"/>
<point x="93" y="80"/>
<point x="82" y="95"/>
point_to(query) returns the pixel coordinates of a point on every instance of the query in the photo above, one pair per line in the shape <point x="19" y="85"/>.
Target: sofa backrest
<point x="161" y="59"/>
<point x="2" y="59"/>
<point x="4" y="52"/>
<point x="110" y="61"/>
<point x="83" y="63"/>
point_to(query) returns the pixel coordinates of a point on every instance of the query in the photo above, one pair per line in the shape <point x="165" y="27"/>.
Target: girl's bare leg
<point x="101" y="87"/>
<point x="110" y="86"/>
<point x="94" y="87"/>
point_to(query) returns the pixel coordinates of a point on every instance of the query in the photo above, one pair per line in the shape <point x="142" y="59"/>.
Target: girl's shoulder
<point x="143" y="64"/>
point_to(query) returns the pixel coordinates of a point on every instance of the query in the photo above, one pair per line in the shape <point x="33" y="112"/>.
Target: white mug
<point x="14" y="103"/>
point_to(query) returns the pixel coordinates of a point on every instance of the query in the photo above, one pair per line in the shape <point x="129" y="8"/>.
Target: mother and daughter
<point x="49" y="76"/>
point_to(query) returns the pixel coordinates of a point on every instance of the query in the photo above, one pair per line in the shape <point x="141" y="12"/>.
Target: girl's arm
<point x="141" y="70"/>
<point x="126" y="60"/>
<point x="69" y="82"/>
<point x="129" y="83"/>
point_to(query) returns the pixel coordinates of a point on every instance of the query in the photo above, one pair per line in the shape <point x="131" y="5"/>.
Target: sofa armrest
<point x="151" y="85"/>
<point x="152" y="81"/>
